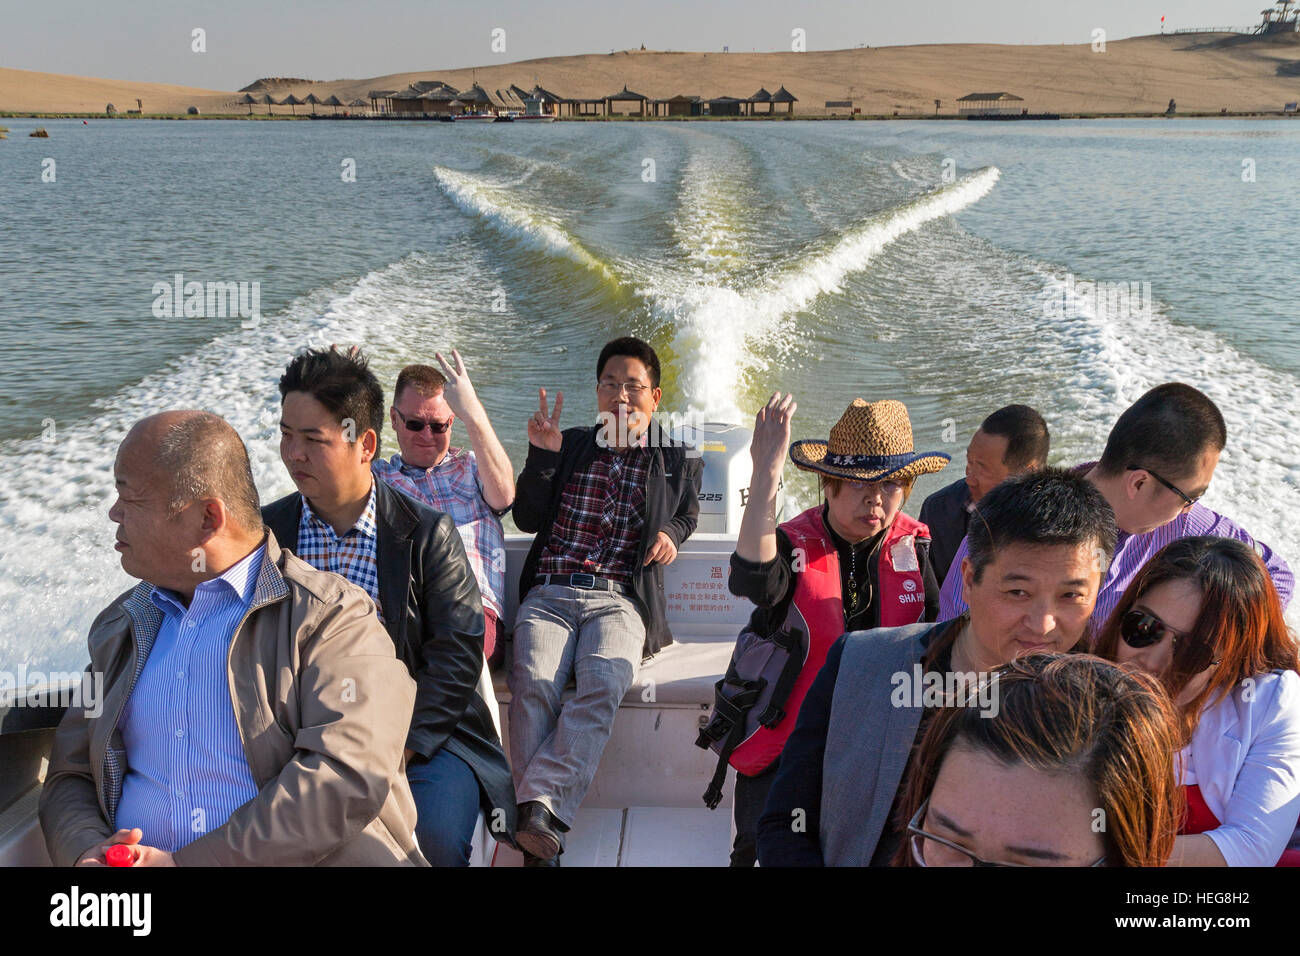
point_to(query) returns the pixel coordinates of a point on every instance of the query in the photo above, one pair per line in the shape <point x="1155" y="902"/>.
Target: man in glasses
<point x="1040" y="543"/>
<point x="1158" y="462"/>
<point x="474" y="484"/>
<point x="610" y="505"/>
<point x="411" y="562"/>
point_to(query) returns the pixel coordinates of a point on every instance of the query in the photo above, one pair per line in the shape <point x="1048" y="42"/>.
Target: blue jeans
<point x="447" y="803"/>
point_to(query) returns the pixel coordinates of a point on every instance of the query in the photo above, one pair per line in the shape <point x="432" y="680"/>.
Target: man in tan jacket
<point x="254" y="711"/>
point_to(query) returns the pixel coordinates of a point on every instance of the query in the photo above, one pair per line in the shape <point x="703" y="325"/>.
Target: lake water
<point x="917" y="261"/>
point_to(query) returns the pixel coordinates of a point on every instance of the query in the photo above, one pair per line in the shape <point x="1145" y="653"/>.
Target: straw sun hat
<point x="872" y="441"/>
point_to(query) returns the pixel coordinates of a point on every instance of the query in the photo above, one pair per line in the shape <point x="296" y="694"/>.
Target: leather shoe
<point x="537" y="831"/>
<point x="530" y="860"/>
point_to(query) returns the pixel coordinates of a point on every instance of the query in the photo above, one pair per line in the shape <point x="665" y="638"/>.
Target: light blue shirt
<point x="186" y="768"/>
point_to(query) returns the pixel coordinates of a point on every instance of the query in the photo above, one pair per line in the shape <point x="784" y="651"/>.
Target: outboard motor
<point x="724" y="484"/>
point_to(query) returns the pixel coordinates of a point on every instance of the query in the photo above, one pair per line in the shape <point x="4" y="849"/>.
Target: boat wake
<point x="720" y="335"/>
<point x="502" y="210"/>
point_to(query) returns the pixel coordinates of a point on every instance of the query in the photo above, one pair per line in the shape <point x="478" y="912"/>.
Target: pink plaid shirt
<point x="453" y="486"/>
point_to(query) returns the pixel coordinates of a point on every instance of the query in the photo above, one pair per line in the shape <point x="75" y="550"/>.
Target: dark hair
<point x="1166" y="429"/>
<point x="343" y="383"/>
<point x="202" y="456"/>
<point x="1240" y="623"/>
<point x="425" y="379"/>
<point x="1077" y="715"/>
<point x="1050" y="506"/>
<point x="1028" y="441"/>
<point x="631" y="347"/>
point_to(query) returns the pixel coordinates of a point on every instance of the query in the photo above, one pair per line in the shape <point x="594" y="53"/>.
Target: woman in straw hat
<point x="853" y="562"/>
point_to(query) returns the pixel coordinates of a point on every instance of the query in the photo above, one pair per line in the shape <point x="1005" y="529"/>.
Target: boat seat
<point x="681" y="675"/>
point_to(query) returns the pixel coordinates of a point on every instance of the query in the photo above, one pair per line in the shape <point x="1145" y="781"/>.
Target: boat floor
<point x="642" y="836"/>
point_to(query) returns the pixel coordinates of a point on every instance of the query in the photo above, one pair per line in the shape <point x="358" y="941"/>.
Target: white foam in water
<point x="1257" y="482"/>
<point x="513" y="217"/>
<point x="717" y="327"/>
<point x="57" y="563"/>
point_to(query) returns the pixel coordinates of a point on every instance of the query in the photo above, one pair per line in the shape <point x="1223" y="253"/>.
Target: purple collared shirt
<point x="1132" y="551"/>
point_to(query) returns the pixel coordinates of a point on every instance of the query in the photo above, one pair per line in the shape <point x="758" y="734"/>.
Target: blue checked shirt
<point x="453" y="486"/>
<point x="350" y="555"/>
<point x="187" y="771"/>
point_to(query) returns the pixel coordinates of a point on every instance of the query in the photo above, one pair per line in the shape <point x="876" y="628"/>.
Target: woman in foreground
<point x="1074" y="768"/>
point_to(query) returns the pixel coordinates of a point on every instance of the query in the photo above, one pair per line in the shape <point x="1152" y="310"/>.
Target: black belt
<point x="587" y="582"/>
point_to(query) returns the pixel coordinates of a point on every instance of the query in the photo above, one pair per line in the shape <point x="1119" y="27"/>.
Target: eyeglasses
<point x="1142" y="629"/>
<point x="887" y="489"/>
<point x="418" y="424"/>
<point x="943" y="852"/>
<point x="1187" y="502"/>
<point x="634" y="389"/>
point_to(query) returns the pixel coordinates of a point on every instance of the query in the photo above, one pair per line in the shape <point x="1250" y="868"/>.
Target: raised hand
<point x="544" y="426"/>
<point x="458" y="392"/>
<point x="772" y="436"/>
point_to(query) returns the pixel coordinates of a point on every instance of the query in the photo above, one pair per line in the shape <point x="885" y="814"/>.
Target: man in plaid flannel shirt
<point x="474" y="485"/>
<point x="610" y="505"/>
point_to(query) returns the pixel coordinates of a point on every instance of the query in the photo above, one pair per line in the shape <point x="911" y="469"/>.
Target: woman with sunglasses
<point x="1075" y="768"/>
<point x="1203" y="617"/>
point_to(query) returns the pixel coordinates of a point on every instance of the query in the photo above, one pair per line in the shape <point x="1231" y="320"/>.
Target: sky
<point x="152" y="40"/>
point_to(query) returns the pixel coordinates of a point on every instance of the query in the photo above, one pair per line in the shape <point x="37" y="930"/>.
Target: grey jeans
<point x="561" y="632"/>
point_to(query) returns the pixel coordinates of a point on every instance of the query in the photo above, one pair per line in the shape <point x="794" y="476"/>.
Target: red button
<point x="119" y="854"/>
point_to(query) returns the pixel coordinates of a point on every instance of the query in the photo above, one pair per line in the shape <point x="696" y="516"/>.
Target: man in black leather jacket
<point x="411" y="561"/>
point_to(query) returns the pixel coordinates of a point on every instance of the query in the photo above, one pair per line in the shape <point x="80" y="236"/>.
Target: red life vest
<point x="817" y="609"/>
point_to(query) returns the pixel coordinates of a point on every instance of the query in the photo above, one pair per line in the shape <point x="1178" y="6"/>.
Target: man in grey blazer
<point x="1040" y="544"/>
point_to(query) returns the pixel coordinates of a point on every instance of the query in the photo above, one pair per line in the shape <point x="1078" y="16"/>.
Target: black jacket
<point x="944" y="512"/>
<point x="671" y="500"/>
<point x="434" y="614"/>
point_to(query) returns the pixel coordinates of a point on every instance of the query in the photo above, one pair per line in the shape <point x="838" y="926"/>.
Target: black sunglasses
<point x="1187" y="502"/>
<point x="418" y="424"/>
<point x="1142" y="629"/>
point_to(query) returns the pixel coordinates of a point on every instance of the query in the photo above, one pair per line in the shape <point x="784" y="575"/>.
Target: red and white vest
<point x="817" y="609"/>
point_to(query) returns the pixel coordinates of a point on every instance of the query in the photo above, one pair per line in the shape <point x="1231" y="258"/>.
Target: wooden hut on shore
<point x="763" y="98"/>
<point x="726" y="106"/>
<point x="679" y="105"/>
<point x="784" y="96"/>
<point x="539" y="101"/>
<point x="626" y="96"/>
<point x="990" y="104"/>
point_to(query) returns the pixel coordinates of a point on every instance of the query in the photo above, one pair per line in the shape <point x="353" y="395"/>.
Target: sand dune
<point x="1203" y="72"/>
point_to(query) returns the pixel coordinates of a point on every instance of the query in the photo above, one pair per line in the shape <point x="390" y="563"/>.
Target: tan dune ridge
<point x="1205" y="73"/>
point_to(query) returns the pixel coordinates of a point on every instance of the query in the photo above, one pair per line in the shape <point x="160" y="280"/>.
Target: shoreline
<point x="811" y="117"/>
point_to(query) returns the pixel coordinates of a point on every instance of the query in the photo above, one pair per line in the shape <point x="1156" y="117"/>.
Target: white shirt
<point x="1246" y="755"/>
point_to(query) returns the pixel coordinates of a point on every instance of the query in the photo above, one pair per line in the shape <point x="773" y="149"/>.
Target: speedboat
<point x="645" y="806"/>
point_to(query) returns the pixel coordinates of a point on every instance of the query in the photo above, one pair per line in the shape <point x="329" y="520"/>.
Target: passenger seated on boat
<point x="1011" y="441"/>
<point x="857" y="549"/>
<point x="475" y="485"/>
<point x="1039" y="546"/>
<point x="610" y="504"/>
<point x="1204" y="618"/>
<point x="1073" y="768"/>
<point x="188" y="771"/>
<point x="1158" y="462"/>
<point x="410" y="559"/>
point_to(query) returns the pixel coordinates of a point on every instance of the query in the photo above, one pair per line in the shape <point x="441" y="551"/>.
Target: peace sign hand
<point x="544" y="426"/>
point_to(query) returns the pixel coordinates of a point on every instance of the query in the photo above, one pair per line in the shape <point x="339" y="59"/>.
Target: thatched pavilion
<point x="626" y="96"/>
